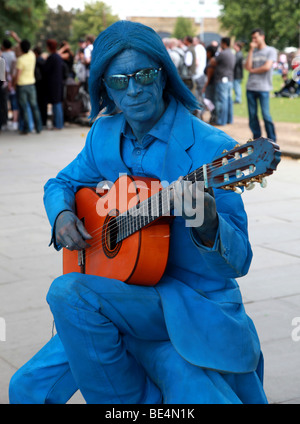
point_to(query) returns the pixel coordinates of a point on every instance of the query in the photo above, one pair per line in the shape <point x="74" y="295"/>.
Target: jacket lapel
<point x="111" y="150"/>
<point x="178" y="162"/>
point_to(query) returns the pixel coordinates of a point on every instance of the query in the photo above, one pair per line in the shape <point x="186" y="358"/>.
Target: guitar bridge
<point x="81" y="261"/>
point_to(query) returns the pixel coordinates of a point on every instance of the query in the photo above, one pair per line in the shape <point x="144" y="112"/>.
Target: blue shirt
<point x="135" y="154"/>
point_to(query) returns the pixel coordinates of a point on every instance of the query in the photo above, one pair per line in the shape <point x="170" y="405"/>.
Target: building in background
<point x="161" y="16"/>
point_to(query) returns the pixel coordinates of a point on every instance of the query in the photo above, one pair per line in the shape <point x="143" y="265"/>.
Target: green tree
<point x="95" y="18"/>
<point x="22" y="16"/>
<point x="279" y="19"/>
<point x="57" y="24"/>
<point x="183" y="27"/>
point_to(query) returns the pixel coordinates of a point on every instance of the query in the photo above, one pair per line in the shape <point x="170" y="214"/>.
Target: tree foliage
<point x="279" y="19"/>
<point x="32" y="19"/>
<point x="95" y="18"/>
<point x="22" y="16"/>
<point x="57" y="24"/>
<point x="183" y="27"/>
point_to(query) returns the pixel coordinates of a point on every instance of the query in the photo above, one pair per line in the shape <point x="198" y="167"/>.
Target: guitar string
<point x="132" y="227"/>
<point x="144" y="206"/>
<point x="124" y="216"/>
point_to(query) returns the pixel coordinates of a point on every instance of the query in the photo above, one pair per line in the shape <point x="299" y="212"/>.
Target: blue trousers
<point x="113" y="345"/>
<point x="263" y="97"/>
<point x="237" y="90"/>
<point x="58" y="115"/>
<point x="27" y="95"/>
<point x="223" y="103"/>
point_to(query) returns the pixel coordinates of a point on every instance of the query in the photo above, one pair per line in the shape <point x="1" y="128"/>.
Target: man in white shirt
<point x="199" y="76"/>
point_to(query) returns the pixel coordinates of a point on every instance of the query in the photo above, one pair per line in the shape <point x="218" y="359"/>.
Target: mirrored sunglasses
<point x="143" y="77"/>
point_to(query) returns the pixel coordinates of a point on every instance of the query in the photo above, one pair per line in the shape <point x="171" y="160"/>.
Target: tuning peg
<point x="263" y="183"/>
<point x="224" y="161"/>
<point x="249" y="186"/>
<point x="225" y="151"/>
<point x="237" y="190"/>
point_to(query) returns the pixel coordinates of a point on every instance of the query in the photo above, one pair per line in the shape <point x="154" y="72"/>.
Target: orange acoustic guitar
<point x="130" y="222"/>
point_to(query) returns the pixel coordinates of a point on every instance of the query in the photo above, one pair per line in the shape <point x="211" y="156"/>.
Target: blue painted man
<point x="188" y="338"/>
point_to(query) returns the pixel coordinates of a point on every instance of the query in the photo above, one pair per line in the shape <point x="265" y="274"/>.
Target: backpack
<point x="184" y="72"/>
<point x="182" y="68"/>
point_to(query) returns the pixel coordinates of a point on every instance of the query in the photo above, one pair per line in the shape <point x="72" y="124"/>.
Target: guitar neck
<point x="158" y="205"/>
<point x="241" y="166"/>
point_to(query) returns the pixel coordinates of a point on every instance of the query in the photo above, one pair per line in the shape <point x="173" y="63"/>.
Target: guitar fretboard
<point x="156" y="206"/>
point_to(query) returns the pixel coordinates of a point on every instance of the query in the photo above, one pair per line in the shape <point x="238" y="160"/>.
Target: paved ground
<point x="271" y="290"/>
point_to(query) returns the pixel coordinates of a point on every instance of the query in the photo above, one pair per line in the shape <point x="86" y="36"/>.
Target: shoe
<point x="23" y="132"/>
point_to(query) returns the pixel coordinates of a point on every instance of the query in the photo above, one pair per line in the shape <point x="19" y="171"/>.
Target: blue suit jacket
<point x="201" y="299"/>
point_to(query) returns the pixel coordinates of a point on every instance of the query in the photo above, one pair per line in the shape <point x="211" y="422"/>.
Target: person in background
<point x="2" y="69"/>
<point x="53" y="71"/>
<point x="190" y="63"/>
<point x="67" y="56"/>
<point x="80" y="68"/>
<point x="259" y="63"/>
<point x="26" y="90"/>
<point x="208" y="89"/>
<point x="224" y="63"/>
<point x="40" y="84"/>
<point x="199" y="76"/>
<point x="171" y="46"/>
<point x="238" y="71"/>
<point x="88" y="49"/>
<point x="10" y="58"/>
<point x="3" y="115"/>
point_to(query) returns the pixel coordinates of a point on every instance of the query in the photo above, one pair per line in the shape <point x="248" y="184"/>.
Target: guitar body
<point x="130" y="222"/>
<point x="140" y="258"/>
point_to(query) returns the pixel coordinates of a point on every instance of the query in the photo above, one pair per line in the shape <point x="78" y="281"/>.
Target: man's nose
<point x="134" y="88"/>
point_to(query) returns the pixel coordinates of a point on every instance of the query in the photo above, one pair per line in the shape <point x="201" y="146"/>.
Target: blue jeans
<point x="58" y="115"/>
<point x="237" y="90"/>
<point x="224" y="104"/>
<point x="263" y="97"/>
<point x="27" y="95"/>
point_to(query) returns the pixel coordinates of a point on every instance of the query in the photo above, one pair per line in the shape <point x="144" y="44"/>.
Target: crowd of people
<point x="214" y="74"/>
<point x="211" y="72"/>
<point x="36" y="79"/>
<point x="38" y="83"/>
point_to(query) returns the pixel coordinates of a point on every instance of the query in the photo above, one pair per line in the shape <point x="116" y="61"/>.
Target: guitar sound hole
<point x="110" y="236"/>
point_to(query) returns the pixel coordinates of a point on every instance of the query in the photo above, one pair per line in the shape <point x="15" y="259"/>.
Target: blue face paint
<point x="142" y="105"/>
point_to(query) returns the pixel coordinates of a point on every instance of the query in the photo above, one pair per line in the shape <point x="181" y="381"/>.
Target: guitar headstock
<point x="244" y="165"/>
